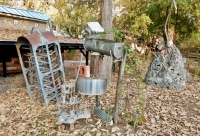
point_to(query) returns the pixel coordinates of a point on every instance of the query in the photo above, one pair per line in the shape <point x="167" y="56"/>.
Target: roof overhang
<point x="20" y="17"/>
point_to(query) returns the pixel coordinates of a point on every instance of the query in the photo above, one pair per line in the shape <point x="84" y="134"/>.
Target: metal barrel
<point x="105" y="47"/>
<point x="91" y="85"/>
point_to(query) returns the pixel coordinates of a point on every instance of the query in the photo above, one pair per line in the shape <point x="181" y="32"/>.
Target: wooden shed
<point x="21" y="19"/>
<point x="15" y="22"/>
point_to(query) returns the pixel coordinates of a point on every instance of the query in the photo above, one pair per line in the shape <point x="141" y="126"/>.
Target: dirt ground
<point x="165" y="112"/>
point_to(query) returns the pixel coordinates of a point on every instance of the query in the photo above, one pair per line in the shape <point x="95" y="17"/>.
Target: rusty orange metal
<point x="35" y="38"/>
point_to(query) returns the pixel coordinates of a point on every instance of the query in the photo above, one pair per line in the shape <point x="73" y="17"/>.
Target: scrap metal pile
<point x="45" y="78"/>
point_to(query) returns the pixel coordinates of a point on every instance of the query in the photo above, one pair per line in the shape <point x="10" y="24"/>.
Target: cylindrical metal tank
<point x="94" y="63"/>
<point x="91" y="85"/>
<point x="105" y="47"/>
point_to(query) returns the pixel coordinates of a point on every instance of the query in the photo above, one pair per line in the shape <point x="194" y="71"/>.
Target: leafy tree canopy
<point x="72" y="18"/>
<point x="149" y="17"/>
<point x="143" y="18"/>
<point x="184" y="23"/>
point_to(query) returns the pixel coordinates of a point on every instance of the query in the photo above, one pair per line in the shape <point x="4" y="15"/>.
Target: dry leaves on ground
<point x="166" y="113"/>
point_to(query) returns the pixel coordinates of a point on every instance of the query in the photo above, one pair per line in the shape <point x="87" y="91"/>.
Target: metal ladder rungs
<point x="43" y="71"/>
<point x="29" y="54"/>
<point x="50" y="92"/>
<point x="43" y="62"/>
<point x="48" y="86"/>
<point x="38" y="98"/>
<point x="56" y="79"/>
<point x="43" y="55"/>
<point x="50" y="46"/>
<point x="33" y="75"/>
<point x="51" y="97"/>
<point x="54" y="66"/>
<point x="51" y="53"/>
<point x="37" y="84"/>
<point x="26" y="48"/>
<point x="46" y="80"/>
<point x="47" y="77"/>
<point x="41" y="49"/>
<point x="43" y="67"/>
<point x="36" y="91"/>
<point x="53" y="58"/>
<point x="32" y="62"/>
<point x="59" y="87"/>
<point x="31" y="68"/>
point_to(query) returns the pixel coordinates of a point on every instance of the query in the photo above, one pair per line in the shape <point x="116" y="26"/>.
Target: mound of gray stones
<point x="167" y="70"/>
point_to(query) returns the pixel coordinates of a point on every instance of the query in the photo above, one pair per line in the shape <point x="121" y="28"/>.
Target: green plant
<point x="133" y="64"/>
<point x="197" y="72"/>
<point x="142" y="104"/>
<point x="42" y="131"/>
<point x="127" y="117"/>
<point x="118" y="34"/>
<point x="32" y="133"/>
<point x="71" y="18"/>
<point x="110" y="111"/>
<point x="71" y="54"/>
<point x="136" y="117"/>
<point x="139" y="113"/>
<point x="56" y="127"/>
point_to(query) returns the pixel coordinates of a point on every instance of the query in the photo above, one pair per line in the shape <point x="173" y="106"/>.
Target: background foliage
<point x="142" y="18"/>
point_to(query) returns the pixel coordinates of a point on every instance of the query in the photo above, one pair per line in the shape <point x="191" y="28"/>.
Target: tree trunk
<point x="106" y="16"/>
<point x="106" y="23"/>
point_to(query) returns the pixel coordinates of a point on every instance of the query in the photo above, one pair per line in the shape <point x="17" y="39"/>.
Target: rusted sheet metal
<point x="35" y="39"/>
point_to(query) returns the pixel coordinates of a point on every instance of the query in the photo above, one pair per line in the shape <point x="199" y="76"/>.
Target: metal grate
<point x="43" y="68"/>
<point x="101" y="114"/>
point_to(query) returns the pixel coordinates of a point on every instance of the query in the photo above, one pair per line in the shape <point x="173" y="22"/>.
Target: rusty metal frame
<point x="45" y="66"/>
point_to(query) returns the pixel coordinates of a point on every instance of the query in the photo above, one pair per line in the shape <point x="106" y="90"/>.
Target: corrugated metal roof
<point x="23" y="13"/>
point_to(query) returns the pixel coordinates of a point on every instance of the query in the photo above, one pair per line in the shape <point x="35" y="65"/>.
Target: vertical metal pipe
<point x="4" y="63"/>
<point x="119" y="86"/>
<point x="97" y="101"/>
<point x="87" y="54"/>
<point x="78" y="70"/>
<point x="50" y="25"/>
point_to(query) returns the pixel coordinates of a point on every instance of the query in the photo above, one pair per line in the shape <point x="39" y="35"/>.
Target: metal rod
<point x="119" y="86"/>
<point x="97" y="101"/>
<point x="50" y="25"/>
<point x="4" y="64"/>
<point x="87" y="58"/>
<point x="78" y="70"/>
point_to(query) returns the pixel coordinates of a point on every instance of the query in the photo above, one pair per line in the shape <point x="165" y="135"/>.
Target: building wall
<point x="12" y="22"/>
